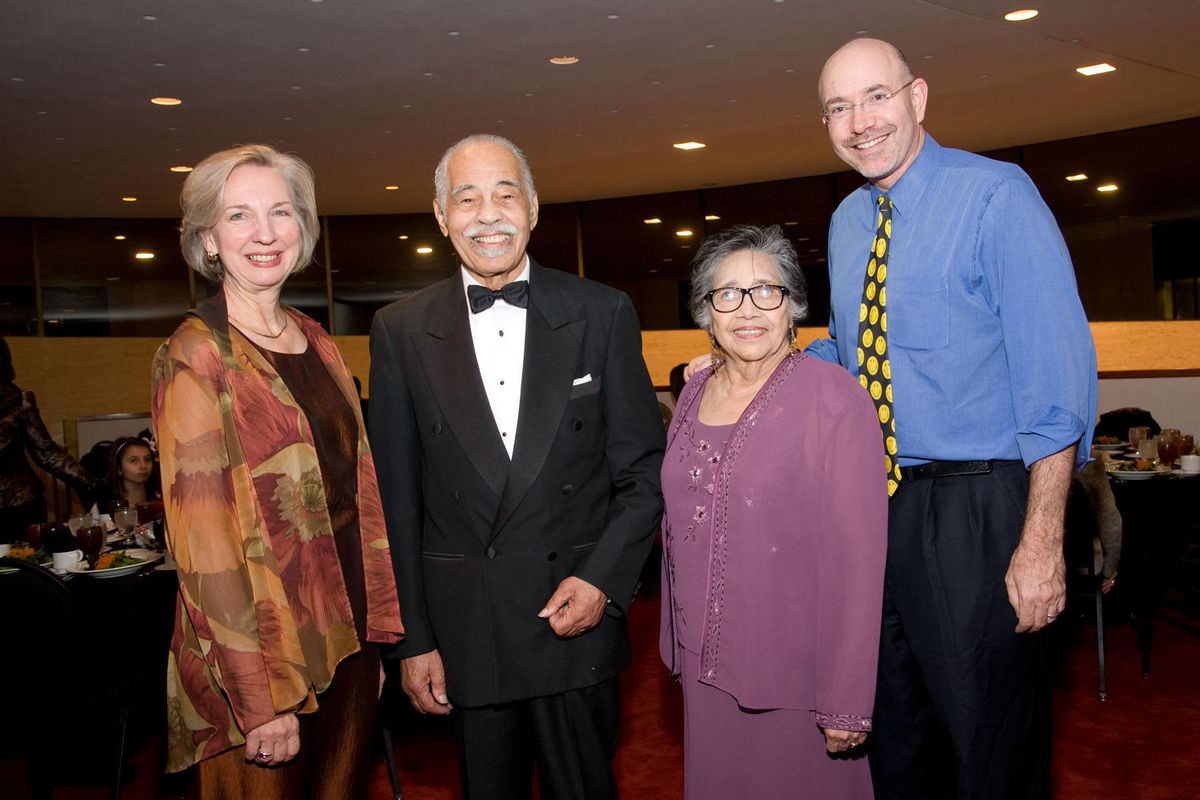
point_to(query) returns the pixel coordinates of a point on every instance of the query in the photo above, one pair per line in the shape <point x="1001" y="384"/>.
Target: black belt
<point x="946" y="469"/>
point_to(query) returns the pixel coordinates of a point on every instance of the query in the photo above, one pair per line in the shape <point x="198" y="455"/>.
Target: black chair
<point x="1081" y="534"/>
<point x="60" y="710"/>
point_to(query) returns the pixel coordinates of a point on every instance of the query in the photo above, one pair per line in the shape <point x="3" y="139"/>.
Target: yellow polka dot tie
<point x="874" y="368"/>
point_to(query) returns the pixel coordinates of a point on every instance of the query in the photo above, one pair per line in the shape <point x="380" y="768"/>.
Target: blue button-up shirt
<point x="991" y="355"/>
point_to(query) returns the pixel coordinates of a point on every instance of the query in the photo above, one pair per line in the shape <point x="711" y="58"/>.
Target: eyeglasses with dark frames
<point x="765" y="296"/>
<point x="840" y="112"/>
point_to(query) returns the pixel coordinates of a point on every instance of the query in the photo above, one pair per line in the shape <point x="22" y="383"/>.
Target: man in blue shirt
<point x="984" y="373"/>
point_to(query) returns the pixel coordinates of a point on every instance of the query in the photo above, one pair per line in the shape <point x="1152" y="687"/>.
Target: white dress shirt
<point x="498" y="334"/>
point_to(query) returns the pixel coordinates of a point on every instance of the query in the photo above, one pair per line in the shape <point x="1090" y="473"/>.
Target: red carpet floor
<point x="1141" y="743"/>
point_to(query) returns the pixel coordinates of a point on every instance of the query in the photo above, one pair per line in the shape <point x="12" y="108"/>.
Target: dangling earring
<point x="717" y="358"/>
<point x="792" y="337"/>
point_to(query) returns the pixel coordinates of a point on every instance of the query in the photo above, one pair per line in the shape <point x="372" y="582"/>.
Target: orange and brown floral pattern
<point x="263" y="617"/>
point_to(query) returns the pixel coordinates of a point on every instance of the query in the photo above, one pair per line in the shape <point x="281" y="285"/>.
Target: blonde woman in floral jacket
<point x="272" y="507"/>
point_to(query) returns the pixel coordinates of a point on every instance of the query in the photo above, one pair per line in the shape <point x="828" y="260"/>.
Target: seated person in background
<point x="1094" y="482"/>
<point x="1118" y="422"/>
<point x="133" y="475"/>
<point x="22" y="498"/>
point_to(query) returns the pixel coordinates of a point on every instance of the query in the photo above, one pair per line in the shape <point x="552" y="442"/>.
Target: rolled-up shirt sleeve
<point x="1048" y="345"/>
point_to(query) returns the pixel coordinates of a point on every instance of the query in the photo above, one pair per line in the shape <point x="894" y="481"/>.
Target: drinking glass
<point x="1138" y="435"/>
<point x="1187" y="443"/>
<point x="126" y="519"/>
<point x="91" y="542"/>
<point x="1148" y="448"/>
<point x="1168" y="448"/>
<point x="77" y="521"/>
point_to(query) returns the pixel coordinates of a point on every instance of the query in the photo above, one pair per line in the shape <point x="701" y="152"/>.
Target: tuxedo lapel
<point x="447" y="356"/>
<point x="552" y="342"/>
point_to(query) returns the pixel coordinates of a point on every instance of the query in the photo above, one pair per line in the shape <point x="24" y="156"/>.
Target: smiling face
<point x="750" y="334"/>
<point x="879" y="141"/>
<point x="136" y="463"/>
<point x="489" y="212"/>
<point x="257" y="235"/>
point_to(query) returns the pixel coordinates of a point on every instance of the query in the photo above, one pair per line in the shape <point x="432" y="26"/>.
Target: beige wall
<point x="84" y="377"/>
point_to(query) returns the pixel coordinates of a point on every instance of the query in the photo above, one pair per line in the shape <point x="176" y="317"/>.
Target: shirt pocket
<point x="918" y="313"/>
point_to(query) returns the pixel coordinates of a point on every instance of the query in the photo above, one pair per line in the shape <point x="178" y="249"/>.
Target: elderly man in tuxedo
<point x="518" y="445"/>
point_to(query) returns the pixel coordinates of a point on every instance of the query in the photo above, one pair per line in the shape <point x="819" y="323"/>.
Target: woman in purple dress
<point x="775" y="532"/>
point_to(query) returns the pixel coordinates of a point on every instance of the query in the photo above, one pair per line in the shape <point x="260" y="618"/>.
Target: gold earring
<point x="792" y="337"/>
<point x="211" y="258"/>
<point x="717" y="359"/>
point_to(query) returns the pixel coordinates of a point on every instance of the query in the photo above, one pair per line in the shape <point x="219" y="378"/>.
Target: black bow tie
<point x="482" y="298"/>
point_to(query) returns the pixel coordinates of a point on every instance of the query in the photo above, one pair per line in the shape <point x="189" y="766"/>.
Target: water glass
<point x="126" y="519"/>
<point x="1138" y="435"/>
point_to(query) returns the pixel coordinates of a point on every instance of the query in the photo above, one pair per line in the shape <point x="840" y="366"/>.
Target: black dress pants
<point x="962" y="708"/>
<point x="571" y="736"/>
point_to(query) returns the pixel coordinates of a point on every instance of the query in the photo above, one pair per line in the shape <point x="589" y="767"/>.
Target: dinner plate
<point x="1111" y="447"/>
<point x="1127" y="475"/>
<point x="1177" y="472"/>
<point x="146" y="556"/>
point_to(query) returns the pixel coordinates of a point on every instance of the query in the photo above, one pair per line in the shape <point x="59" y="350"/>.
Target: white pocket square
<point x="581" y="381"/>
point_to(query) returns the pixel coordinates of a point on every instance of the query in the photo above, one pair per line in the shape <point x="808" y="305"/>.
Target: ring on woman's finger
<point x="263" y="756"/>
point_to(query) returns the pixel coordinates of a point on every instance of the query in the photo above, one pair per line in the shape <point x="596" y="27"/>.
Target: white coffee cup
<point x="1189" y="463"/>
<point x="4" y="548"/>
<point x="64" y="561"/>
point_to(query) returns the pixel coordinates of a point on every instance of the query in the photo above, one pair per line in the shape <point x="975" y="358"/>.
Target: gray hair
<point x="770" y="242"/>
<point x="441" y="175"/>
<point x="203" y="196"/>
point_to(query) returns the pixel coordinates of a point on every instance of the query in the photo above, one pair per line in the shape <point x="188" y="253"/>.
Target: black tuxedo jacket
<point x="480" y="542"/>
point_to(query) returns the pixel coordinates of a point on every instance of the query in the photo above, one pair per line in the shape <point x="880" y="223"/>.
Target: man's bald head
<point x="859" y="51"/>
<point x="873" y="108"/>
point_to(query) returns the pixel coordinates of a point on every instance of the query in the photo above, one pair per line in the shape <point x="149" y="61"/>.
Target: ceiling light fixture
<point x="1096" y="69"/>
<point x="562" y="60"/>
<point x="684" y="232"/>
<point x="424" y="250"/>
<point x="166" y="101"/>
<point x="391" y="187"/>
<point x="1078" y="176"/>
<point x="688" y="145"/>
<point x="1108" y="187"/>
<point x="129" y="199"/>
<point x="119" y="237"/>
<point x="1021" y="14"/>
<point x="181" y="168"/>
<point x="652" y="221"/>
<point x="143" y="255"/>
<point x="711" y="218"/>
<point x="402" y="236"/>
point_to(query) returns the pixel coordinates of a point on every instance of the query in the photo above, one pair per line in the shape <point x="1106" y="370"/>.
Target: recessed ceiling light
<point x="149" y="17"/>
<point x="452" y="33"/>
<point x="119" y="237"/>
<point x="1096" y="69"/>
<point x="1108" y="187"/>
<point x="614" y="16"/>
<point x="652" y="221"/>
<point x="791" y="222"/>
<point x="166" y="101"/>
<point x="711" y="217"/>
<point x="1078" y="176"/>
<point x="688" y="145"/>
<point x="129" y="199"/>
<point x="301" y="49"/>
<point x="391" y="187"/>
<point x="112" y="278"/>
<point x="402" y="236"/>
<point x="564" y="60"/>
<point x="181" y="168"/>
<point x="684" y="232"/>
<point x="424" y="250"/>
<point x="143" y="255"/>
<point x="1021" y="14"/>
